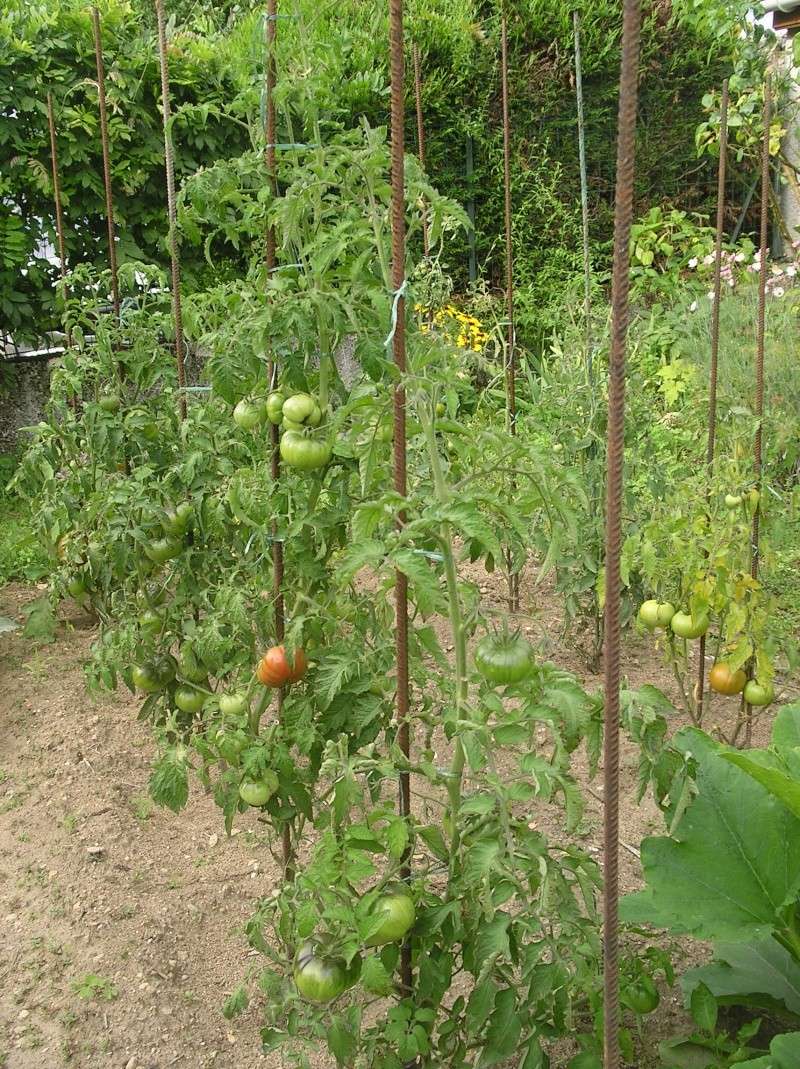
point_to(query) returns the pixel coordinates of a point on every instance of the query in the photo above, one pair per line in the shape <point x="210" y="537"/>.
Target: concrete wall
<point x="24" y="390"/>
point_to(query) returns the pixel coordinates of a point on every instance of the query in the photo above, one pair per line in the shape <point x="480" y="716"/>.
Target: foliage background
<point x="216" y="59"/>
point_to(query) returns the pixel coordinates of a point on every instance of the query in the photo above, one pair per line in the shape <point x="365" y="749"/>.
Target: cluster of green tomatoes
<point x="321" y="976"/>
<point x="302" y="444"/>
<point x="722" y="678"/>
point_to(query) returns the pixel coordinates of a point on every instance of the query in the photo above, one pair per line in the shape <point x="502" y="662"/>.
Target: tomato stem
<point x="254" y="719"/>
<point x="457" y="628"/>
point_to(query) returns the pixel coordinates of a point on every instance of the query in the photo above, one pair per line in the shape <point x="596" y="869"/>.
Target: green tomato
<point x="233" y="705"/>
<point x="290" y="425"/>
<point x="397" y="912"/>
<point x="145" y="677"/>
<point x="666" y="610"/>
<point x="305" y="454"/>
<point x="733" y="501"/>
<point x="176" y="521"/>
<point x="641" y="995"/>
<point x="230" y="745"/>
<point x="248" y="415"/>
<point x="155" y="594"/>
<point x="258" y="792"/>
<point x="686" y="626"/>
<point x="76" y="587"/>
<point x="315" y="418"/>
<point x="299" y="407"/>
<point x="110" y="403"/>
<point x="151" y="622"/>
<point x="503" y="659"/>
<point x="161" y="550"/>
<point x="648" y="614"/>
<point x="166" y="668"/>
<point x="318" y="978"/>
<point x="189" y="664"/>
<point x="189" y="699"/>
<point x="756" y="693"/>
<point x="275" y="403"/>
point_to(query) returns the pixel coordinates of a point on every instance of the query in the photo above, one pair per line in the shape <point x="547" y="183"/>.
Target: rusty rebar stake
<point x="397" y="64"/>
<point x="172" y="214"/>
<point x="713" y="374"/>
<point x="101" y="97"/>
<point x="421" y="140"/>
<point x="758" y="442"/>
<point x="510" y="361"/>
<point x="62" y="254"/>
<point x="623" y="213"/>
<point x="587" y="264"/>
<point x="270" y="259"/>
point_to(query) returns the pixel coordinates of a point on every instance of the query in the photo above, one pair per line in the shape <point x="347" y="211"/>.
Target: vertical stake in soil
<point x="169" y="160"/>
<point x="62" y="254"/>
<point x="760" y="338"/>
<point x="101" y="96"/>
<point x="623" y="212"/>
<point x="270" y="257"/>
<point x="399" y="351"/>
<point x="420" y="139"/>
<point x="712" y="386"/>
<point x="511" y="370"/>
<point x="587" y="266"/>
<point x="468" y="169"/>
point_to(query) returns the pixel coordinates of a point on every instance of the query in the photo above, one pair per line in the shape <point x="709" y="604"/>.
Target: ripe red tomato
<point x="276" y="670"/>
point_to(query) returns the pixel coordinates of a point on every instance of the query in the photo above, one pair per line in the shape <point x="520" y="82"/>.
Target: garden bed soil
<point x="121" y="922"/>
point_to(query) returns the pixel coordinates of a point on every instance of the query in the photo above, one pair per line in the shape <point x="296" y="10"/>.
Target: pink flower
<point x="693" y="263"/>
<point x="779" y="291"/>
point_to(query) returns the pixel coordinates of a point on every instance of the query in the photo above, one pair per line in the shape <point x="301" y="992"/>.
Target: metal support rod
<point x="62" y="254"/>
<point x="172" y="215"/>
<point x="101" y="96"/>
<point x="623" y="212"/>
<point x="469" y="167"/>
<point x="758" y="444"/>
<point x="270" y="259"/>
<point x="421" y="140"/>
<point x="712" y="385"/>
<point x="587" y="264"/>
<point x="511" y="406"/>
<point x="511" y="370"/>
<point x="397" y="64"/>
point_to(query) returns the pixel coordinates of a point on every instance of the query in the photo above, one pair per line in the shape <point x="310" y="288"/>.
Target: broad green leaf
<point x="766" y="769"/>
<point x="733" y="864"/>
<point x="703" y="1007"/>
<point x="786" y="729"/>
<point x="505" y="1026"/>
<point x="743" y="973"/>
<point x="784" y="1053"/>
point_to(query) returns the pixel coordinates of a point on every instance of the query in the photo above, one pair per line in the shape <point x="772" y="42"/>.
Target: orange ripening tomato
<point x="725" y="681"/>
<point x="275" y="669"/>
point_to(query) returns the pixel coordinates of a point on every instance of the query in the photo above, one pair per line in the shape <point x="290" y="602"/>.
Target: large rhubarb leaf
<point x="761" y="974"/>
<point x="732" y="864"/>
<point x="784" y="1053"/>
<point x="777" y="769"/>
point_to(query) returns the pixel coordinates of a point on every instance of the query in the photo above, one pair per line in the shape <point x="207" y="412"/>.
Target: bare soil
<point x="121" y="923"/>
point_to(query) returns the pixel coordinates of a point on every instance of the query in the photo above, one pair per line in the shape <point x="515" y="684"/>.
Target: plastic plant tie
<point x="397" y="297"/>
